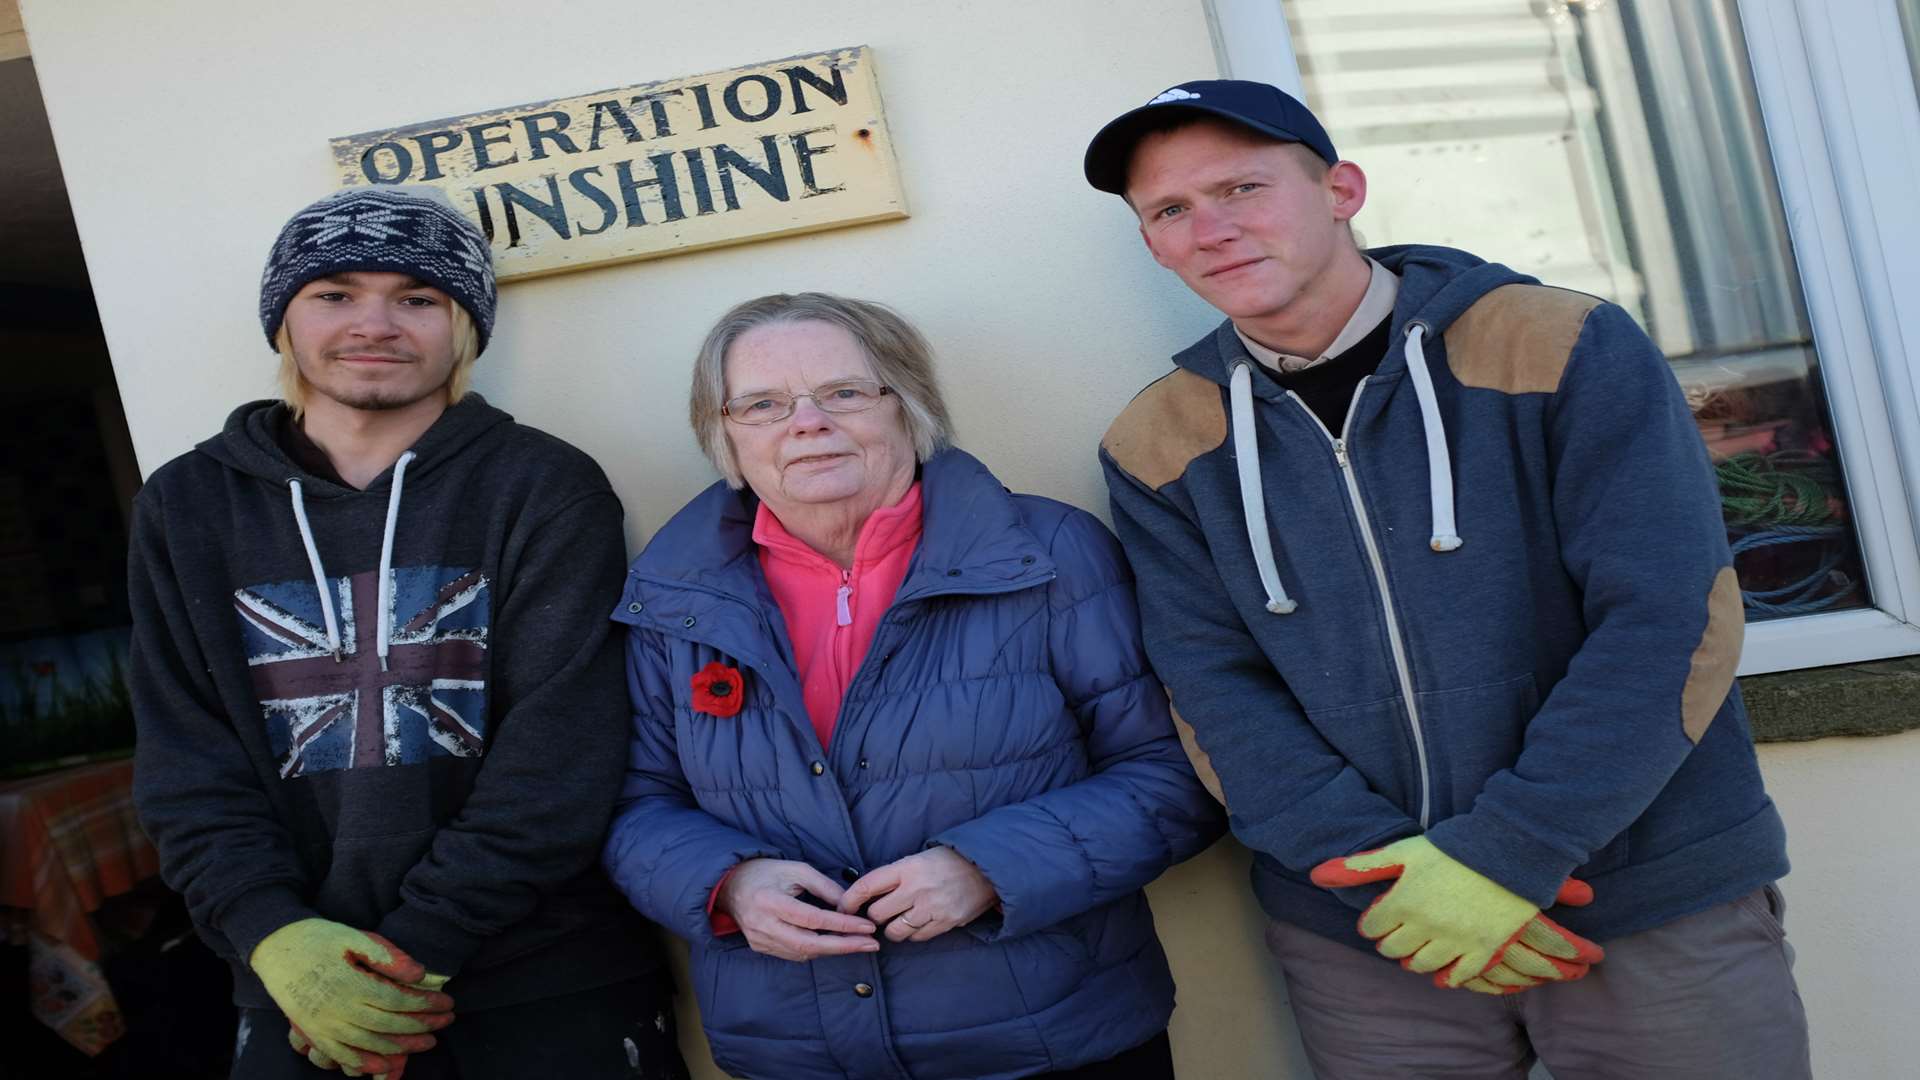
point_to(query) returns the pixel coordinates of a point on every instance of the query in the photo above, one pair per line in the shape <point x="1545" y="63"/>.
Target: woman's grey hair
<point x="900" y="356"/>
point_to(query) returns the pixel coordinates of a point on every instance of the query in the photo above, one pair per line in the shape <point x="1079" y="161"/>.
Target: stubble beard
<point x="373" y="398"/>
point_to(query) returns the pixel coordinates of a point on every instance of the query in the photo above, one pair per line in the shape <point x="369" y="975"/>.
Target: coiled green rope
<point x="1783" y="488"/>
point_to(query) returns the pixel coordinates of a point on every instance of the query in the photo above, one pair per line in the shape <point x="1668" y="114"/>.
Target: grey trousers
<point x="1705" y="997"/>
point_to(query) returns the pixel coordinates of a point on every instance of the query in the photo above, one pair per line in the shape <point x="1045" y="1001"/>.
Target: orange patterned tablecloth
<point x="68" y="841"/>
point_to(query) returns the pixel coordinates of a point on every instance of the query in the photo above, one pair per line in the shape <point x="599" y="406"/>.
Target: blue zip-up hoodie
<point x="1498" y="608"/>
<point x="1004" y="709"/>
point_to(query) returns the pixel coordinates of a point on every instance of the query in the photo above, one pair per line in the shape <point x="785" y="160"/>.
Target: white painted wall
<point x="1853" y="832"/>
<point x="188" y="133"/>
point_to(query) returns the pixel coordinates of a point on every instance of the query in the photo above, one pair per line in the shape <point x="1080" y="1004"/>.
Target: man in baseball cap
<point x="1431" y="559"/>
<point x="381" y="714"/>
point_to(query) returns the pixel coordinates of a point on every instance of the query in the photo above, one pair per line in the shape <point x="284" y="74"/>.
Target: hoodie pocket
<point x="362" y="881"/>
<point x="1471" y="733"/>
<point x="1611" y="857"/>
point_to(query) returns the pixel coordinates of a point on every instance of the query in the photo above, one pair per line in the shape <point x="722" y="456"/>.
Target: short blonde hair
<point x="901" y="359"/>
<point x="466" y="349"/>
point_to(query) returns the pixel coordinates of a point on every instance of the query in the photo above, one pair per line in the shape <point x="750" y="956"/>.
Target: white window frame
<point x="1844" y="129"/>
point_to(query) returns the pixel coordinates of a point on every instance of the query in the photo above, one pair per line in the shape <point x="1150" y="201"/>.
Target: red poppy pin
<point x="717" y="690"/>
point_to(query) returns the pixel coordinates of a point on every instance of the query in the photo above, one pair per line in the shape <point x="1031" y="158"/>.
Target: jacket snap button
<point x="818" y="768"/>
<point x="863" y="990"/>
<point x="863" y="763"/>
<point x="953" y="573"/>
<point x="1026" y="560"/>
<point x="688" y="623"/>
<point x="634" y="607"/>
<point x="849" y="875"/>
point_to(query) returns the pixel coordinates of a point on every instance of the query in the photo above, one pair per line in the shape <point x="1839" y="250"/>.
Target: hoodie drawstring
<point x="1446" y="536"/>
<point x="385" y="615"/>
<point x="386" y="558"/>
<point x="1253" y="503"/>
<point x="319" y="574"/>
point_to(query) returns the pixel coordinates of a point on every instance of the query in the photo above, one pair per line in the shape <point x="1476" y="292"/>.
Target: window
<point x="1910" y="29"/>
<point x="1658" y="154"/>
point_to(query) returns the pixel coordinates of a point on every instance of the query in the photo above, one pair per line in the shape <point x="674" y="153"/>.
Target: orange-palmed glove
<point x="304" y="1046"/>
<point x="352" y="994"/>
<point x="1544" y="952"/>
<point x="1468" y="931"/>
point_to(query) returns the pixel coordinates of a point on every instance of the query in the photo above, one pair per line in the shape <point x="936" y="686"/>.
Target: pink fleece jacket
<point x="831" y="613"/>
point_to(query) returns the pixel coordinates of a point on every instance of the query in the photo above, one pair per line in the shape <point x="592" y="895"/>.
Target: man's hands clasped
<point x="1445" y="919"/>
<point x="353" y="999"/>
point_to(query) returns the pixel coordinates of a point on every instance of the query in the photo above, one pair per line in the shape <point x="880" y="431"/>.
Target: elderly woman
<point x="899" y="768"/>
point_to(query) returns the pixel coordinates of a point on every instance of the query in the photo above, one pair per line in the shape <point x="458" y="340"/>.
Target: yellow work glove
<point x="1444" y="919"/>
<point x="305" y="1048"/>
<point x="350" y="994"/>
<point x="1544" y="952"/>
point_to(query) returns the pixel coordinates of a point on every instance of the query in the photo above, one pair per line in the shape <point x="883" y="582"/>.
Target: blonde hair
<point x="901" y="359"/>
<point x="466" y="349"/>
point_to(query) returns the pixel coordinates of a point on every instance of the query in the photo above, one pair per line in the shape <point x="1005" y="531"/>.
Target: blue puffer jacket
<point x="1004" y="709"/>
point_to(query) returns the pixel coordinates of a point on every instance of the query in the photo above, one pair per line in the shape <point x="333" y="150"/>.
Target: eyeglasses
<point x="771" y="407"/>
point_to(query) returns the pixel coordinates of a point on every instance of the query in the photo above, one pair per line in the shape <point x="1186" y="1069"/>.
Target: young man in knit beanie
<point x="382" y="719"/>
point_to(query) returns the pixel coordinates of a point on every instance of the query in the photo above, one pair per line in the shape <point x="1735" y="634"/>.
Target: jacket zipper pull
<point x="1340" y="452"/>
<point x="842" y="614"/>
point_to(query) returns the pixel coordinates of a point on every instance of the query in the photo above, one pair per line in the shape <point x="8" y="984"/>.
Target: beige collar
<point x="1382" y="289"/>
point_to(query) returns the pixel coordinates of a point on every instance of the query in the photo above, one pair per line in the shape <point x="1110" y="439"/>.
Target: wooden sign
<point x="790" y="146"/>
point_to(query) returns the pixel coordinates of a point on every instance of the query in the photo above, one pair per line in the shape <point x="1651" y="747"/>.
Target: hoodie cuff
<point x="430" y="939"/>
<point x="1505" y="855"/>
<point x="256" y="913"/>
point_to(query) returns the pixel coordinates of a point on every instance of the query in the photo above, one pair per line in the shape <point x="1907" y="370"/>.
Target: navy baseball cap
<point x="1266" y="109"/>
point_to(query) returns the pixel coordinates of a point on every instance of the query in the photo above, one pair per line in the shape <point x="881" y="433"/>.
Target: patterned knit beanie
<point x="407" y="229"/>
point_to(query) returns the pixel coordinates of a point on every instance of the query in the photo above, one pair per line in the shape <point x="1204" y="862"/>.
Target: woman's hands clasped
<point x="917" y="898"/>
<point x="922" y="896"/>
<point x="763" y="896"/>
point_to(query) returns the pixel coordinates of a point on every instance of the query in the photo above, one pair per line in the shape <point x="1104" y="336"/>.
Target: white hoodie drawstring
<point x="386" y="559"/>
<point x="1446" y="536"/>
<point x="1253" y="503"/>
<point x="319" y="574"/>
<point x="385" y="617"/>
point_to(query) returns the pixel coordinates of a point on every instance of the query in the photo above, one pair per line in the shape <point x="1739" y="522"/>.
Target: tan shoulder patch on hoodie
<point x="1172" y="422"/>
<point x="1716" y="658"/>
<point x="1517" y="339"/>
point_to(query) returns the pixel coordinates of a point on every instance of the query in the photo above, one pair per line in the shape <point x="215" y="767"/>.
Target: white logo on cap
<point x="1175" y="94"/>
